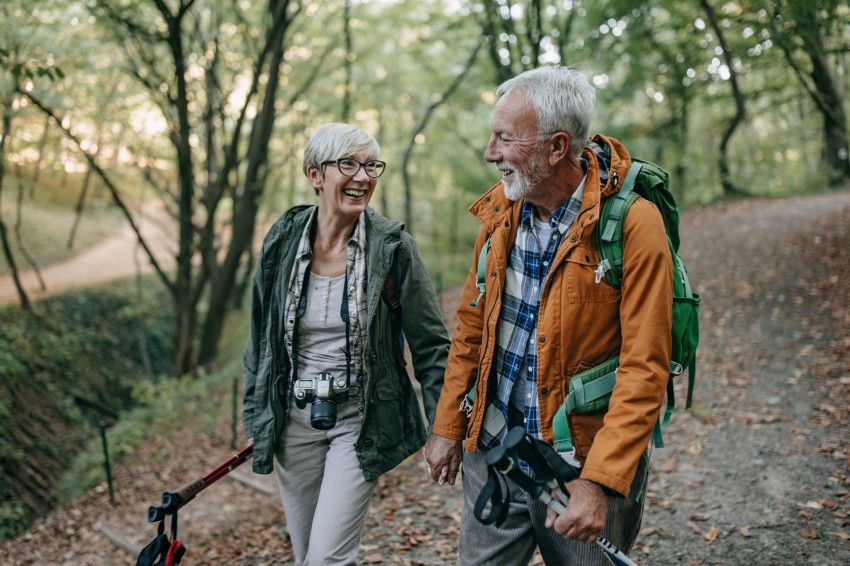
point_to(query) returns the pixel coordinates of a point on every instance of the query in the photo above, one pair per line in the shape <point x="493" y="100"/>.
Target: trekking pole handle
<point x="179" y="498"/>
<point x="174" y="500"/>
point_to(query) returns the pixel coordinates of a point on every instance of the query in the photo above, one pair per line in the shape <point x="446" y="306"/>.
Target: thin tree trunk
<point x="4" y="239"/>
<point x="41" y="145"/>
<point x="13" y="268"/>
<point x="729" y="187"/>
<point x="245" y="213"/>
<point x="78" y="208"/>
<point x="408" y="190"/>
<point x="349" y="60"/>
<point x="19" y="215"/>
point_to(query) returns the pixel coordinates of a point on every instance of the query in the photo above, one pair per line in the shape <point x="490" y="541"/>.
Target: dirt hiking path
<point x="758" y="473"/>
<point x="117" y="256"/>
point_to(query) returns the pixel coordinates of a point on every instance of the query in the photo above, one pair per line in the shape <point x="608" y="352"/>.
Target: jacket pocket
<point x="386" y="410"/>
<point x="584" y="428"/>
<point x="580" y="272"/>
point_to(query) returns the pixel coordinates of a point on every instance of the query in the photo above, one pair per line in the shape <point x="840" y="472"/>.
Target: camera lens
<point x="323" y="414"/>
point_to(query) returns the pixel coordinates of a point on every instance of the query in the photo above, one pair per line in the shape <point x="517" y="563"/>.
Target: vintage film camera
<point x="323" y="392"/>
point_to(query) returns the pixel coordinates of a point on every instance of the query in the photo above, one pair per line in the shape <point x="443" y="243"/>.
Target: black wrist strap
<point x="492" y="493"/>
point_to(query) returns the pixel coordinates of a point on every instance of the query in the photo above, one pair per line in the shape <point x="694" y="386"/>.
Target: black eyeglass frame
<point x="360" y="165"/>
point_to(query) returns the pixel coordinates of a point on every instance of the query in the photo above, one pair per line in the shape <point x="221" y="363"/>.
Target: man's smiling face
<point x="515" y="148"/>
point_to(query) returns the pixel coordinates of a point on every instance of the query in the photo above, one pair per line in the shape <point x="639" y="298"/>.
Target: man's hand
<point x="443" y="456"/>
<point x="585" y="515"/>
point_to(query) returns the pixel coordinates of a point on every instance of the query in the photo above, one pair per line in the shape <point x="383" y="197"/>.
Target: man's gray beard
<point x="518" y="188"/>
<point x="521" y="186"/>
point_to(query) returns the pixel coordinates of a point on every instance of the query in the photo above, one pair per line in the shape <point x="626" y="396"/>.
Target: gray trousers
<point x="325" y="496"/>
<point x="513" y="543"/>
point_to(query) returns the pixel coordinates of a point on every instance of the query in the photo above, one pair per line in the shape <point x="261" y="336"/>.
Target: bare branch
<point x="408" y="216"/>
<point x="116" y="196"/>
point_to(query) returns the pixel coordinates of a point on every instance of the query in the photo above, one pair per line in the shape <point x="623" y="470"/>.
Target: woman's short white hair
<point x="562" y="98"/>
<point x="335" y="140"/>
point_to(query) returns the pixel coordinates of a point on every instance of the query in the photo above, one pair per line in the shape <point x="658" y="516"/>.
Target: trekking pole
<point x="551" y="476"/>
<point x="174" y="500"/>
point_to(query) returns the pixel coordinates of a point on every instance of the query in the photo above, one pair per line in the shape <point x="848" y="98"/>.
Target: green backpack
<point x="591" y="390"/>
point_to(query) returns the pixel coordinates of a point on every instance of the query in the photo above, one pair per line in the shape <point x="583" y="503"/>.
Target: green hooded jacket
<point x="393" y="427"/>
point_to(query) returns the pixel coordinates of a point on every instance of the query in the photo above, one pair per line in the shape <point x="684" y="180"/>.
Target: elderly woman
<point x="327" y="401"/>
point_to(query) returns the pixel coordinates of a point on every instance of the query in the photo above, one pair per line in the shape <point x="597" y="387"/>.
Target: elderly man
<point x="545" y="316"/>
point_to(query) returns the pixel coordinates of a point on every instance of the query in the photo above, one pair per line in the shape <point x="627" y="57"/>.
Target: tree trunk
<point x="41" y="145"/>
<point x="245" y="213"/>
<point x="79" y="207"/>
<point x="834" y="120"/>
<point x="184" y="301"/>
<point x="4" y="239"/>
<point x="349" y="61"/>
<point x="408" y="191"/>
<point x="19" y="215"/>
<point x="729" y="187"/>
<point x="802" y="29"/>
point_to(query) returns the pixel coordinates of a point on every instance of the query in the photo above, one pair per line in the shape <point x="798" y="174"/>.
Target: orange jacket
<point x="581" y="324"/>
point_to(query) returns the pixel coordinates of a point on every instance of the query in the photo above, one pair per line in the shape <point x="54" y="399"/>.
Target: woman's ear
<point x="315" y="176"/>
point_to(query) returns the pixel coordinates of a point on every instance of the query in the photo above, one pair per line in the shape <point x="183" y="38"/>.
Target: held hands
<point x="443" y="457"/>
<point x="585" y="515"/>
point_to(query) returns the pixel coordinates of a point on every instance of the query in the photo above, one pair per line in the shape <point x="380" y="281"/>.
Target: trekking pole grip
<point x="174" y="500"/>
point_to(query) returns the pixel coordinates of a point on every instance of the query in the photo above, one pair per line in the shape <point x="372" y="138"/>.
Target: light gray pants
<point x="513" y="543"/>
<point x="325" y="496"/>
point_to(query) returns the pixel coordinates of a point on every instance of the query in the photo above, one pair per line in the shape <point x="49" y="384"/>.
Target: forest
<point x="204" y="107"/>
<point x="192" y="115"/>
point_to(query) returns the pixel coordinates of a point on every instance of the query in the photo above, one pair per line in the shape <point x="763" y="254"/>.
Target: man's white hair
<point x="562" y="98"/>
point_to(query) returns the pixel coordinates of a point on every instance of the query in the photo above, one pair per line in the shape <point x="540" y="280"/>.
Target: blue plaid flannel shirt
<point x="516" y="336"/>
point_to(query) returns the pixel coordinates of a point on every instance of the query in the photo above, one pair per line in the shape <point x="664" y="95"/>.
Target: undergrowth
<point x="72" y="364"/>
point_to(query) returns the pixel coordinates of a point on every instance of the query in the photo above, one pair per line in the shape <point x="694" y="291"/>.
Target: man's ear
<point x="559" y="147"/>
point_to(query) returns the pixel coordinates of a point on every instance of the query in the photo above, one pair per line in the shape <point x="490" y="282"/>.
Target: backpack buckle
<point x="603" y="267"/>
<point x="466" y="406"/>
<point x="676" y="368"/>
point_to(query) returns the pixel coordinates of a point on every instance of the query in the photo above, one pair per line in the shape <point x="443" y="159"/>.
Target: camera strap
<point x="343" y="313"/>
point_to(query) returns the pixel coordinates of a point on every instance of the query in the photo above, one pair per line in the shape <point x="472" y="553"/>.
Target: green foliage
<point x="160" y="409"/>
<point x="71" y="364"/>
<point x="13" y="516"/>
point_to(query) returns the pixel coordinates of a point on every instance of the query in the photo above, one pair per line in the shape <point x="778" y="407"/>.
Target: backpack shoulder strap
<point x="609" y="231"/>
<point x="391" y="297"/>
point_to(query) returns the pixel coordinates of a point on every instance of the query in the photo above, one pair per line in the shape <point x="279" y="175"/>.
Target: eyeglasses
<point x="350" y="167"/>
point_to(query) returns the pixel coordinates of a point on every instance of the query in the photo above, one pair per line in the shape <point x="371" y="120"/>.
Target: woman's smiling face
<point x="340" y="194"/>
